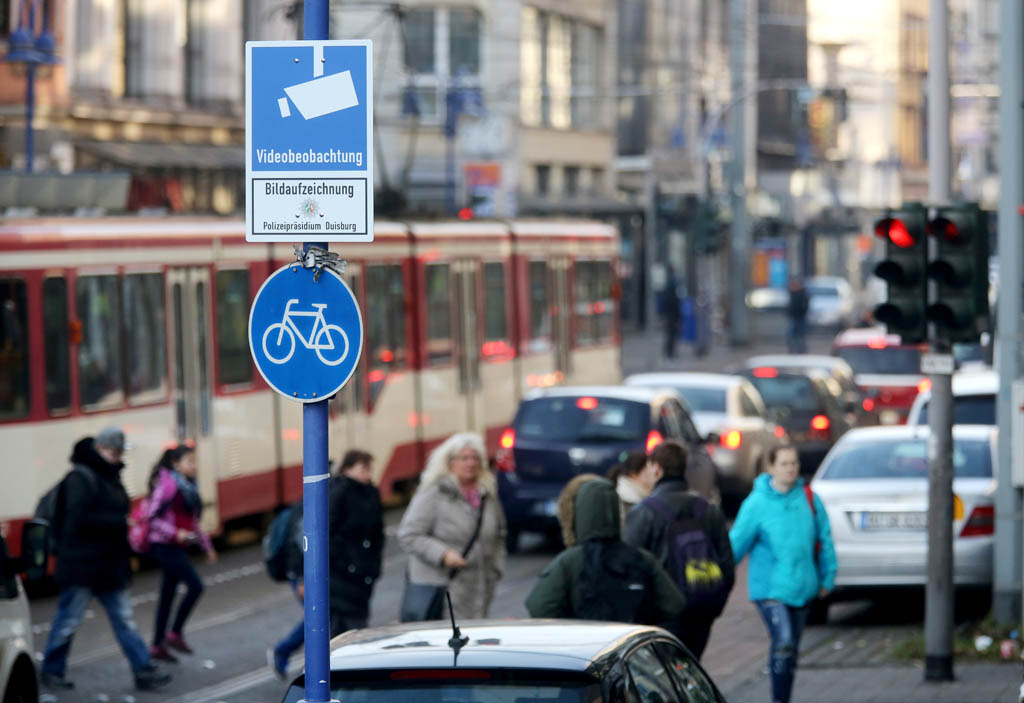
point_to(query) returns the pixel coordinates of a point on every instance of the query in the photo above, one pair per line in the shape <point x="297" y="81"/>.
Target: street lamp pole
<point x="31" y="51"/>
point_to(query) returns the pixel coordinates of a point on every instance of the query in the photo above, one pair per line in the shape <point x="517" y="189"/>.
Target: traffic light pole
<point x="938" y="624"/>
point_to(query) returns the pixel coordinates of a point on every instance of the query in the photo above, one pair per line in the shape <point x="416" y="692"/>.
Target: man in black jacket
<point x="93" y="559"/>
<point x="661" y="519"/>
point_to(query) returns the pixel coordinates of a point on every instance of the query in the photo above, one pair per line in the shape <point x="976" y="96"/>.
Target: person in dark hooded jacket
<point x="93" y="559"/>
<point x="599" y="577"/>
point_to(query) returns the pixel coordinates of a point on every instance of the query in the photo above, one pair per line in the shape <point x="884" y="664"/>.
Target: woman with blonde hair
<point x="454" y="533"/>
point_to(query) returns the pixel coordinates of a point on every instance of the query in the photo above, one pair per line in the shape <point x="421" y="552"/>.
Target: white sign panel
<point x="309" y="141"/>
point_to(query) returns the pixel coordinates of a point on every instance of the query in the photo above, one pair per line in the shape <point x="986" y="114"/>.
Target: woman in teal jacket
<point x="778" y="527"/>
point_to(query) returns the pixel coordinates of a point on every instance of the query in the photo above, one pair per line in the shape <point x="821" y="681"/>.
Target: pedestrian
<point x="689" y="537"/>
<point x="598" y="576"/>
<point x="633" y="481"/>
<point x="454" y="531"/>
<point x="355" y="544"/>
<point x="796" y="312"/>
<point x="671" y="314"/>
<point x="93" y="559"/>
<point x="173" y="516"/>
<point x="783" y="526"/>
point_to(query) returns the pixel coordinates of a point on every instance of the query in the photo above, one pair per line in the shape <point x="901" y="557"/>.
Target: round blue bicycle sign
<point x="305" y="335"/>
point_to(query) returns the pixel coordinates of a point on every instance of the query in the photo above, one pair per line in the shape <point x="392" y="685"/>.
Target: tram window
<point x="604" y="302"/>
<point x="594" y="305"/>
<point x="58" y="343"/>
<point x="100" y="381"/>
<point x="439" y="314"/>
<point x="385" y="324"/>
<point x="540" y="312"/>
<point x="202" y="301"/>
<point x="14" y="376"/>
<point x="145" y="337"/>
<point x="233" y="361"/>
<point x="495" y="317"/>
<point x="583" y="294"/>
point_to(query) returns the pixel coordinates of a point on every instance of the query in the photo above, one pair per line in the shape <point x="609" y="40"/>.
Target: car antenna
<point x="458" y="640"/>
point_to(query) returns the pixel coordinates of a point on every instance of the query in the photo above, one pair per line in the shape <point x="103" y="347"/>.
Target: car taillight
<point x="982" y="522"/>
<point x="820" y="427"/>
<point x="766" y="372"/>
<point x="868" y="405"/>
<point x="779" y="431"/>
<point x="433" y="674"/>
<point x="653" y="439"/>
<point x="925" y="385"/>
<point x="505" y="458"/>
<point x="731" y="439"/>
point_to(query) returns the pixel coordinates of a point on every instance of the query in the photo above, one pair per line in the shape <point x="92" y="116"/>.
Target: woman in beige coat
<point x="439" y="522"/>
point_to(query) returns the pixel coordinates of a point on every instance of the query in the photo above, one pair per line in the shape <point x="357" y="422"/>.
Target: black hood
<point x="85" y="454"/>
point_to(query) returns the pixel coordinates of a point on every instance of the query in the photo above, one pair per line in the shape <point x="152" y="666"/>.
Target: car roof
<point x="860" y="336"/>
<point x="797" y="361"/>
<point x="688" y="378"/>
<point x="884" y="432"/>
<point x="568" y="645"/>
<point x="641" y="394"/>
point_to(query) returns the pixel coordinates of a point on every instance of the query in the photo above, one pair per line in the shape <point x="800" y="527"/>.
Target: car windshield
<point x="822" y="291"/>
<point x="889" y="360"/>
<point x="903" y="458"/>
<point x="793" y="392"/>
<point x="404" y="686"/>
<point x="703" y="400"/>
<point x="582" y="418"/>
<point x="968" y="410"/>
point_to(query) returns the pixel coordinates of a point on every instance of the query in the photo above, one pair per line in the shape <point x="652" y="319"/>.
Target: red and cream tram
<point x="142" y="322"/>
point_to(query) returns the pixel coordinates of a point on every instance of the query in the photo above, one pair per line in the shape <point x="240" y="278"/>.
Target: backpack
<point x="138" y="532"/>
<point x="693" y="562"/>
<point x="51" y="506"/>
<point x="624" y="592"/>
<point x="279" y="542"/>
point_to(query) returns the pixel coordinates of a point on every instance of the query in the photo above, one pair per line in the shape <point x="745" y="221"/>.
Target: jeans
<point x="785" y="626"/>
<point x="296" y="638"/>
<point x="796" y="336"/>
<point x="71" y="609"/>
<point x="177" y="569"/>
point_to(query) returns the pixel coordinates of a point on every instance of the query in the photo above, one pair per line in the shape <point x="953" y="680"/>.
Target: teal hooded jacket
<point x="779" y="531"/>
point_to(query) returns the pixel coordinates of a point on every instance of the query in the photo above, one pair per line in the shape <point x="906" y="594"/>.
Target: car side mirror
<point x="35" y="552"/>
<point x="712" y="438"/>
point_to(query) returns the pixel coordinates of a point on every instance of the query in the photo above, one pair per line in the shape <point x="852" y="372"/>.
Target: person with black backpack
<point x="689" y="537"/>
<point x="598" y="576"/>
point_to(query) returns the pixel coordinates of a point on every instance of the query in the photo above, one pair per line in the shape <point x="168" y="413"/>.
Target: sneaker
<point x="277" y="664"/>
<point x="55" y="681"/>
<point x="151" y="679"/>
<point x="174" y="640"/>
<point x="158" y="651"/>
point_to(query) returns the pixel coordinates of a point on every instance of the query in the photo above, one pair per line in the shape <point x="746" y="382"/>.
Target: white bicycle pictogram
<point x="322" y="335"/>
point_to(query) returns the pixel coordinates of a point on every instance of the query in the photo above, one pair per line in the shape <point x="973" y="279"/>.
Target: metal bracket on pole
<point x="318" y="259"/>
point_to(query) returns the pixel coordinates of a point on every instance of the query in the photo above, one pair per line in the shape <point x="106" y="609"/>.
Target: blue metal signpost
<point x="309" y="178"/>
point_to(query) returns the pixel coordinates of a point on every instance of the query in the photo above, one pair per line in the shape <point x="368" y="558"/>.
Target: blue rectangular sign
<point x="309" y="141"/>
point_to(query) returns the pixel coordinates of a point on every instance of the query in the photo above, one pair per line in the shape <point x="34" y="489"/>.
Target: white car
<point x="974" y="399"/>
<point x="830" y="301"/>
<point x="18" y="678"/>
<point x="730" y="410"/>
<point x="874" y="486"/>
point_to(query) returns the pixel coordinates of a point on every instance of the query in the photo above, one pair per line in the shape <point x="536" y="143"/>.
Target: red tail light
<point x="820" y="427"/>
<point x="779" y="431"/>
<point x="766" y="372"/>
<point x="982" y="522"/>
<point x="586" y="403"/>
<point x="433" y="674"/>
<point x="924" y="385"/>
<point x="653" y="439"/>
<point x="868" y="404"/>
<point x="505" y="458"/>
<point x="731" y="440"/>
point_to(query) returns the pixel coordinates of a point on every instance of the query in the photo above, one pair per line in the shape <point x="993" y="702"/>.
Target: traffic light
<point x="903" y="269"/>
<point x="960" y="271"/>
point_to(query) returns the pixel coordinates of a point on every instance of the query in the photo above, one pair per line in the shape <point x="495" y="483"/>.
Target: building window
<point x="234" y="363"/>
<point x="543" y="176"/>
<point x="385" y="325"/>
<point x="146" y="344"/>
<point x="442" y="47"/>
<point x="14" y="376"/>
<point x="540" y="313"/>
<point x="100" y="379"/>
<point x="58" y="342"/>
<point x="495" y="317"/>
<point x="572" y="181"/>
<point x="439" y="314"/>
<point x="596" y="181"/>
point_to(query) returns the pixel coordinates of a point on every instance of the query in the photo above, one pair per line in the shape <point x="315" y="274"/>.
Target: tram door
<point x="467" y="337"/>
<point x="561" y="315"/>
<point x="191" y="341"/>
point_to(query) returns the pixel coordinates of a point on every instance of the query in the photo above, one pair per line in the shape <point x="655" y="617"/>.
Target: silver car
<point x="874" y="485"/>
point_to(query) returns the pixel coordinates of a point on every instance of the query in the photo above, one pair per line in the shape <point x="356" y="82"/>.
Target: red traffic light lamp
<point x="903" y="269"/>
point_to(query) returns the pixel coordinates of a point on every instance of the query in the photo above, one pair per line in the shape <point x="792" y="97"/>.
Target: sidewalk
<point x="976" y="682"/>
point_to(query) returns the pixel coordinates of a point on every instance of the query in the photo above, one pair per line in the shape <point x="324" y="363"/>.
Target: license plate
<point x="548" y="508"/>
<point x="893" y="521"/>
<point x="888" y="417"/>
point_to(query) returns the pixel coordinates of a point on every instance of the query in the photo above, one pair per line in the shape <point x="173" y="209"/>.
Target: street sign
<point x="305" y="333"/>
<point x="937" y="364"/>
<point x="309" y="141"/>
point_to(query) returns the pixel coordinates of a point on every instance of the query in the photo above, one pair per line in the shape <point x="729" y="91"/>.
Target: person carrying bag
<point x="454" y="534"/>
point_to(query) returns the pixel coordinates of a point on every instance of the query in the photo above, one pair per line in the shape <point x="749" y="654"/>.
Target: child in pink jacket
<point x="174" y="511"/>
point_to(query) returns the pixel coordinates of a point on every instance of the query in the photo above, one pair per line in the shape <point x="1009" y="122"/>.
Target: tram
<point x="142" y="322"/>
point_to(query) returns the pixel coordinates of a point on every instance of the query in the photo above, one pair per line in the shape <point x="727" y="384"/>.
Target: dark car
<point x="514" y="661"/>
<point x="559" y="433"/>
<point x="801" y="403"/>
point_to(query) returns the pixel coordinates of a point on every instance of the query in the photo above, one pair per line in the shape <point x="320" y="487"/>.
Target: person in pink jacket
<point x="174" y="511"/>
